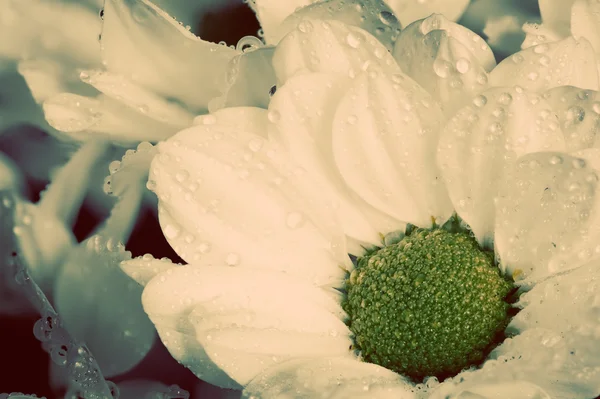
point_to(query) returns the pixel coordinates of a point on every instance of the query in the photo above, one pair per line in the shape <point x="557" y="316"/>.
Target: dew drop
<point x="273" y="116"/>
<point x="387" y="18"/>
<point x="463" y="65"/>
<point x="232" y="259"/>
<point x="480" y="101"/>
<point x="353" y="40"/>
<point x="294" y="220"/>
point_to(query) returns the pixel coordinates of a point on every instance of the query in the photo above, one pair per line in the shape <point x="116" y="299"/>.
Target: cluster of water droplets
<point x="549" y="65"/>
<point x="373" y="16"/>
<point x="578" y="114"/>
<point x="546" y="211"/>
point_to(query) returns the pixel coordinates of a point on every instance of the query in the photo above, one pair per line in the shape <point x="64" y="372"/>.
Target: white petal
<point x="409" y="11"/>
<point x="374" y="16"/>
<point x="101" y="306"/>
<point x="331" y="378"/>
<point x="39" y="29"/>
<point x="135" y="36"/>
<point x="567" y="304"/>
<point x="547" y="202"/>
<point x="384" y="135"/>
<point x="539" y="362"/>
<point x="556" y="13"/>
<point x="496" y="390"/>
<point x="536" y="34"/>
<point x="81" y="117"/>
<point x="138" y="98"/>
<point x="229" y="197"/>
<point x="271" y="13"/>
<point x="47" y="78"/>
<point x="306" y="105"/>
<point x="480" y="142"/>
<point x="182" y="344"/>
<point x="585" y="22"/>
<point x="245" y="86"/>
<point x="578" y="114"/>
<point x="329" y="46"/>
<point x="446" y="59"/>
<point x="568" y="62"/>
<point x="240" y="318"/>
<point x="144" y="268"/>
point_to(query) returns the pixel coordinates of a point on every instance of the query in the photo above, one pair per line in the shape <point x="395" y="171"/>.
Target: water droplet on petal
<point x="294" y="220"/>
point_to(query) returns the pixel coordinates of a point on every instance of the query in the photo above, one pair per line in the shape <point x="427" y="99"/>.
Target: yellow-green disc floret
<point x="429" y="305"/>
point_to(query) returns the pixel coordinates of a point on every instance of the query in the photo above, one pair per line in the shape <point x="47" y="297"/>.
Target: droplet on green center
<point x="430" y="305"/>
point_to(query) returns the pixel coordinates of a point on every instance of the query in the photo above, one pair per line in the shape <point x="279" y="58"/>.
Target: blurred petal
<point x="135" y="36"/>
<point x="578" y="114"/>
<point x="17" y="105"/>
<point x="446" y="59"/>
<point x="331" y="378"/>
<point x="227" y="196"/>
<point x="546" y="202"/>
<point x="146" y="102"/>
<point x="240" y="318"/>
<point x="101" y="306"/>
<point x="140" y="389"/>
<point x="409" y="11"/>
<point x="42" y="28"/>
<point x="384" y="135"/>
<point x="373" y="16"/>
<point x="569" y="62"/>
<point x="306" y="105"/>
<point x="44" y="241"/>
<point x="250" y="77"/>
<point x="480" y="142"/>
<point x="46" y="77"/>
<point x="329" y="46"/>
<point x="81" y="117"/>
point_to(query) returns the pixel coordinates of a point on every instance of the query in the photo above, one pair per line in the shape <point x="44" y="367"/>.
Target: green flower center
<point x="429" y="305"/>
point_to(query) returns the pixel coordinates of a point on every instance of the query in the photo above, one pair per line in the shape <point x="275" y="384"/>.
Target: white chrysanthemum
<point x="266" y="205"/>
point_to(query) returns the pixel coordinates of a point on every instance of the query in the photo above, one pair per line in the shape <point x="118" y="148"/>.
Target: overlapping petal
<point x="227" y="196"/>
<point x="446" y="59"/>
<point x="569" y="62"/>
<point x="578" y="114"/>
<point x="81" y="118"/>
<point x="384" y="135"/>
<point x="49" y="28"/>
<point x="249" y="79"/>
<point x="101" y="306"/>
<point x="545" y="206"/>
<point x="248" y="319"/>
<point x="329" y="46"/>
<point x="409" y="11"/>
<point x="304" y="109"/>
<point x="331" y="378"/>
<point x="481" y="141"/>
<point x="135" y="35"/>
<point x="271" y="14"/>
<point x="373" y="16"/>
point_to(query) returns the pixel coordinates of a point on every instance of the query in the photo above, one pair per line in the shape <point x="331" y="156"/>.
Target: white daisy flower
<point x="354" y="241"/>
